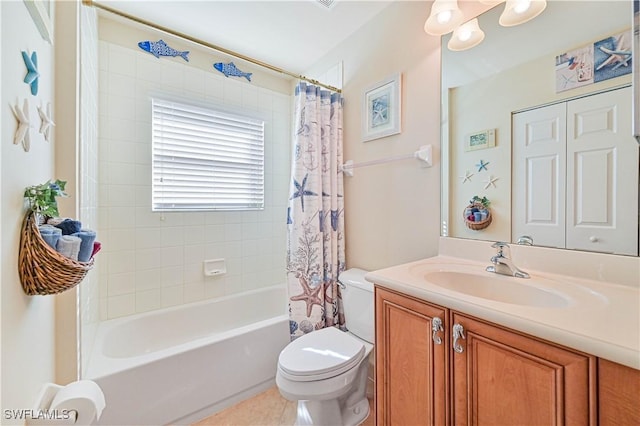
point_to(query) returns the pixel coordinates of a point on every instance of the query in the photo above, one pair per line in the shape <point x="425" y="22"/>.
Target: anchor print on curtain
<point x="315" y="216"/>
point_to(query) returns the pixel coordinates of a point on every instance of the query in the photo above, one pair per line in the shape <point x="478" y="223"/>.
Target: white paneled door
<point x="539" y="163"/>
<point x="602" y="174"/>
<point x="586" y="146"/>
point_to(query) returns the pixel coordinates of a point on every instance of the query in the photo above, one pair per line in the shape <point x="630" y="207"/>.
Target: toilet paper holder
<point x="45" y="414"/>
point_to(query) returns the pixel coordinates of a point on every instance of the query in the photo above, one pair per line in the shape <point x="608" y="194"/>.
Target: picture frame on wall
<point x="381" y="109"/>
<point x="41" y="12"/>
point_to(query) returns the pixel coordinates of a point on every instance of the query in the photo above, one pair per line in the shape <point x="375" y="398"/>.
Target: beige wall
<point x="392" y="211"/>
<point x="28" y="338"/>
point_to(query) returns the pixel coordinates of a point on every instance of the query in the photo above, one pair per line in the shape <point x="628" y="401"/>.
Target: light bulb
<point x="464" y="34"/>
<point x="444" y="17"/>
<point x="522" y="6"/>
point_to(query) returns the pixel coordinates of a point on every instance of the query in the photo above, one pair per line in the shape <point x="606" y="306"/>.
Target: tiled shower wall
<point x="154" y="260"/>
<point x="88" y="199"/>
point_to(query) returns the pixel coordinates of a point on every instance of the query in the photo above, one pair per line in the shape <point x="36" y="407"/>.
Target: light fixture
<point x="490" y="2"/>
<point x="466" y="36"/>
<point x="445" y="17"/>
<point x="518" y="12"/>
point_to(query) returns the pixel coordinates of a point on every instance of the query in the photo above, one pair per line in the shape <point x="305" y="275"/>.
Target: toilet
<point x="326" y="370"/>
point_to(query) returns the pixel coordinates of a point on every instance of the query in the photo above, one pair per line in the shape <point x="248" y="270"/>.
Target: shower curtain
<point x="315" y="219"/>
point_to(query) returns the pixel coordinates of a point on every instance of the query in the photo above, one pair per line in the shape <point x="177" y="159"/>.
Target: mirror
<point x="511" y="72"/>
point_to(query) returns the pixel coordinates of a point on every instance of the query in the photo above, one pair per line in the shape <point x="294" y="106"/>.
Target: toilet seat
<point x="320" y="355"/>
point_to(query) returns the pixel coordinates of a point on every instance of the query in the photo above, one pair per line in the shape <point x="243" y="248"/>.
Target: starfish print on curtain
<point x="315" y="214"/>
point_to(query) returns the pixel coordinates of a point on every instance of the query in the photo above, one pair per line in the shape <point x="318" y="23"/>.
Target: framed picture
<point x="381" y="109"/>
<point x="480" y="140"/>
<point x="42" y="14"/>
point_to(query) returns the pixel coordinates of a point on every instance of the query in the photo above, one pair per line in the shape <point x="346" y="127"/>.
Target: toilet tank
<point x="358" y="302"/>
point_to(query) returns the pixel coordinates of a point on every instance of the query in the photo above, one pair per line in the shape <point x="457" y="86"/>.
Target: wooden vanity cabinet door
<point x="506" y="378"/>
<point x="411" y="369"/>
<point x="618" y="394"/>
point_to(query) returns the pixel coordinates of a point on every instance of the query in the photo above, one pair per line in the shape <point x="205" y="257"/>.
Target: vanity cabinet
<point x="472" y="372"/>
<point x="618" y="394"/>
<point x="500" y="376"/>
<point x="411" y="365"/>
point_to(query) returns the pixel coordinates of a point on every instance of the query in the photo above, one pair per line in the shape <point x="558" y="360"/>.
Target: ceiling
<point x="292" y="35"/>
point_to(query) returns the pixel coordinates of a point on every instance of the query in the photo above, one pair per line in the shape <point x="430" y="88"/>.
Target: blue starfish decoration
<point x="32" y="71"/>
<point x="482" y="165"/>
<point x="301" y="191"/>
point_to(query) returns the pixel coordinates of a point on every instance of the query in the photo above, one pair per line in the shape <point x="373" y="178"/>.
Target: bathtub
<point x="182" y="364"/>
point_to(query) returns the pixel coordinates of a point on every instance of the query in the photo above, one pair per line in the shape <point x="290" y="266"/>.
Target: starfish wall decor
<point x="46" y="123"/>
<point x="32" y="71"/>
<point x="22" y="133"/>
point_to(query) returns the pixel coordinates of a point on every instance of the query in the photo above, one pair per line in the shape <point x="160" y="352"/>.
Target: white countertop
<point x="599" y="318"/>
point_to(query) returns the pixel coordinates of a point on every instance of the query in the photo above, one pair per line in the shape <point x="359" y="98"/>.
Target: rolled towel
<point x="69" y="226"/>
<point x="50" y="234"/>
<point x="96" y="248"/>
<point x="86" y="247"/>
<point x="69" y="246"/>
<point x="55" y="220"/>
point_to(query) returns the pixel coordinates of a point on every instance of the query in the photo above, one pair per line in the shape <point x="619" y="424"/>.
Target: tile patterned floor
<point x="266" y="409"/>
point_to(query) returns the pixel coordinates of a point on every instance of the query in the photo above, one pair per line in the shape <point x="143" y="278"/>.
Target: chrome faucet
<point x="502" y="263"/>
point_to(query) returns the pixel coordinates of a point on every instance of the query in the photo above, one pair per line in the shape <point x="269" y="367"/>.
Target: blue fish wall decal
<point x="160" y="48"/>
<point x="231" y="69"/>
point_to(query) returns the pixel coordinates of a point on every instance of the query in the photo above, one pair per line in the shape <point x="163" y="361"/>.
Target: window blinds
<point x="205" y="159"/>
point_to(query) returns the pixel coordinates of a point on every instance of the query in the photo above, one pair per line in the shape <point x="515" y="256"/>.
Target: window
<point x="205" y="159"/>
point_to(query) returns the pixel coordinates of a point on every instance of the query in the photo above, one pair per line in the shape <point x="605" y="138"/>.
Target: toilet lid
<point x="321" y="354"/>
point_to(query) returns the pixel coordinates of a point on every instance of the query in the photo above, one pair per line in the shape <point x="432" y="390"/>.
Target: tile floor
<point x="266" y="409"/>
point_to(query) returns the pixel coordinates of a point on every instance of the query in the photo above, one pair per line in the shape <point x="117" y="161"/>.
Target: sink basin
<point x="498" y="288"/>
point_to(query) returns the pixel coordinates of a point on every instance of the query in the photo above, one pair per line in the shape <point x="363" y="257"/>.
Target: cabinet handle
<point x="436" y="326"/>
<point x="458" y="333"/>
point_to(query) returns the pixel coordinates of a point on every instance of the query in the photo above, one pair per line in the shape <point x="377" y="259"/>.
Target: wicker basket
<point x="42" y="269"/>
<point x="476" y="226"/>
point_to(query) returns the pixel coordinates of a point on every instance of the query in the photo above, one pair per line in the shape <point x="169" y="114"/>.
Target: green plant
<point x="42" y="198"/>
<point x="477" y="200"/>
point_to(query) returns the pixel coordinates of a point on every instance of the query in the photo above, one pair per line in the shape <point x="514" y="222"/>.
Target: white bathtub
<point x="181" y="364"/>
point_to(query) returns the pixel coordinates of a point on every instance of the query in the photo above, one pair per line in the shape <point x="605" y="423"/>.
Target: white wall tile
<point x="148" y="300"/>
<point x="148" y="279"/>
<point x="119" y="284"/>
<point x="154" y="259"/>
<point x="215" y="287"/>
<point x="172" y="256"/>
<point x="193" y="292"/>
<point x="172" y="236"/>
<point x="172" y="276"/>
<point x="148" y="238"/>
<point x="147" y="69"/>
<point x="122" y="261"/>
<point x="193" y="273"/>
<point x="122" y="60"/>
<point x="120" y="217"/>
<point x="120" y="306"/>
<point x="172" y="296"/>
<point x="194" y="254"/>
<point x="213" y="87"/>
<point x="148" y="259"/>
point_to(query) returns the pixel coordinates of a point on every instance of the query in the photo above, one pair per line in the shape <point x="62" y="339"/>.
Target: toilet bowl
<point x="326" y="371"/>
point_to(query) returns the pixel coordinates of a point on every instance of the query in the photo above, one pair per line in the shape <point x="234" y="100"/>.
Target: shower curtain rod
<point x="92" y="3"/>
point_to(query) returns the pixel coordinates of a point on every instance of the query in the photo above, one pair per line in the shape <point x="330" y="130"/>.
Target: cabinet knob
<point x="458" y="333"/>
<point x="436" y="326"/>
<point x="593" y="239"/>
